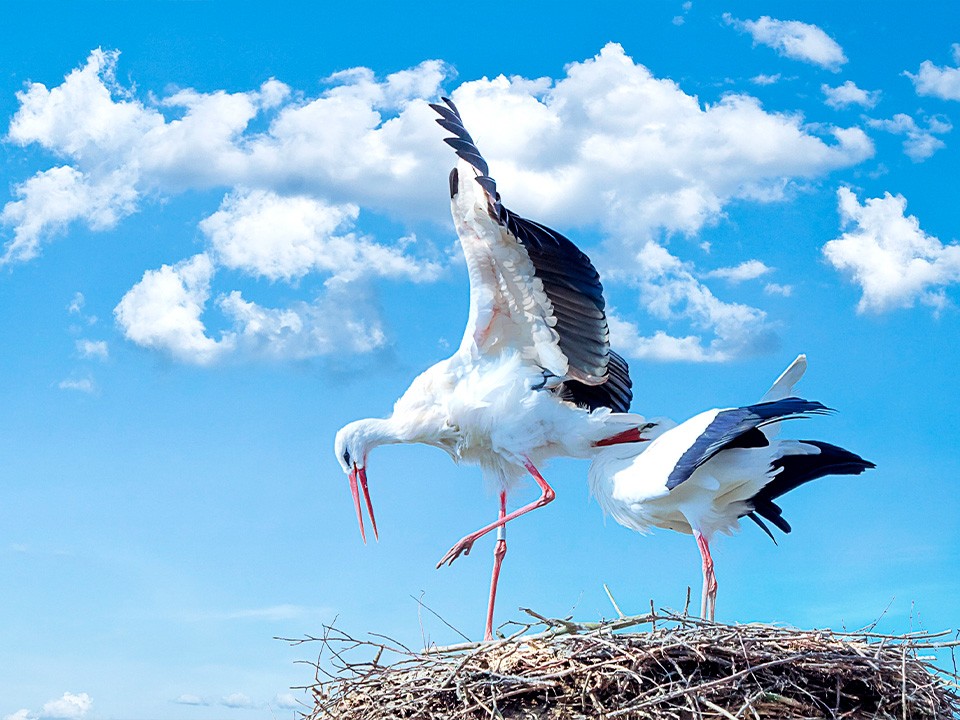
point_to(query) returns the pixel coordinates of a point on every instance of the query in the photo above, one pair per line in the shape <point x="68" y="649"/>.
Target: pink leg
<point x="499" y="551"/>
<point x="708" y="597"/>
<point x="466" y="543"/>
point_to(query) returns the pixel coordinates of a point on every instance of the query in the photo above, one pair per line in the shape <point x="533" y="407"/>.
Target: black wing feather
<point x="795" y="470"/>
<point x="616" y="393"/>
<point x="570" y="280"/>
<point x="728" y="427"/>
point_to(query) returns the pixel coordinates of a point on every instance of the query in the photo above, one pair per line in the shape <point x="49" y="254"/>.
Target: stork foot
<point x="463" y="547"/>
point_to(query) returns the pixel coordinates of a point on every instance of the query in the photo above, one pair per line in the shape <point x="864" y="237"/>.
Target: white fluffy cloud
<point x="93" y="349"/>
<point x="793" y="39"/>
<point x="941" y="82"/>
<point x="889" y="256"/>
<point x="919" y="142"/>
<point x="847" y="94"/>
<point x="83" y="384"/>
<point x="284" y="238"/>
<point x="163" y="311"/>
<point x="69" y="707"/>
<point x="747" y="270"/>
<point x="671" y="293"/>
<point x="607" y="144"/>
<point x="237" y="700"/>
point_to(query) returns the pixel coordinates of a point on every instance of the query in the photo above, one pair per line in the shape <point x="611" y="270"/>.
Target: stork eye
<point x="346" y="457"/>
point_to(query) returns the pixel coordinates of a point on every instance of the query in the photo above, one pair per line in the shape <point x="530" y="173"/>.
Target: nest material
<point x="680" y="668"/>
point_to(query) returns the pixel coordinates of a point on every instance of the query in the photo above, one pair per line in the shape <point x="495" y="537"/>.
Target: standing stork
<point x="703" y="475"/>
<point x="534" y="376"/>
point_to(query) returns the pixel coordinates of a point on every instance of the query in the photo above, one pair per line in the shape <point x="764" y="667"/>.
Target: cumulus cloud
<point x="778" y="289"/>
<point x="606" y="144"/>
<point x="763" y="79"/>
<point x="84" y="385"/>
<point x="190" y="699"/>
<point x="793" y="39"/>
<point x="941" y="82"/>
<point x="889" y="256"/>
<point x="287" y="701"/>
<point x="71" y="706"/>
<point x="163" y="311"/>
<point x="93" y="349"/>
<point x="848" y="94"/>
<point x="237" y="700"/>
<point x="284" y="238"/>
<point x="747" y="270"/>
<point x="670" y="292"/>
<point x="919" y="142"/>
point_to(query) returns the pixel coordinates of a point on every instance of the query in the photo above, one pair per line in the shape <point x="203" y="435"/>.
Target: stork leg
<point x="499" y="552"/>
<point x="463" y="547"/>
<point x="708" y="596"/>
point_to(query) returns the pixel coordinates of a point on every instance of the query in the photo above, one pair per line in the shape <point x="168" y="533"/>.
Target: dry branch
<point x="680" y="668"/>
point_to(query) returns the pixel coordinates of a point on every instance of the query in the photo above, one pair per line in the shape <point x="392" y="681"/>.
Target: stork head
<point x="351" y="446"/>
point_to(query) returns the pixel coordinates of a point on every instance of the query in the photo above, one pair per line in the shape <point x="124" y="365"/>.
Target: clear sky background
<point x="225" y="234"/>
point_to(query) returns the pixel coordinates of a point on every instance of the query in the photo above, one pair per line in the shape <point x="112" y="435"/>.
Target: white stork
<point x="534" y="376"/>
<point x="703" y="475"/>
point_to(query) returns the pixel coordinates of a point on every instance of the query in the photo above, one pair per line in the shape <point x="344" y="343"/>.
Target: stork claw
<point x="461" y="548"/>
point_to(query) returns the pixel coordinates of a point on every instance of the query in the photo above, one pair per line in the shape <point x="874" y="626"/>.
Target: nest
<point x="679" y="668"/>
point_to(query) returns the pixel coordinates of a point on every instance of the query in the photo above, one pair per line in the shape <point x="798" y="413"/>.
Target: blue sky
<point x="225" y="234"/>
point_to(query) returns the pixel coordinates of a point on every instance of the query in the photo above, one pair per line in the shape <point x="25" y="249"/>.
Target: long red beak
<point x="361" y="473"/>
<point x="627" y="436"/>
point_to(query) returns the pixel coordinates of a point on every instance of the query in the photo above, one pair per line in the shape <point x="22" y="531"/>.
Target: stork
<point x="702" y="476"/>
<point x="533" y="377"/>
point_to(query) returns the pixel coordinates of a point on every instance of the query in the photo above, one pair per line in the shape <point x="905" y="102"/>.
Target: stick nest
<point x="679" y="668"/>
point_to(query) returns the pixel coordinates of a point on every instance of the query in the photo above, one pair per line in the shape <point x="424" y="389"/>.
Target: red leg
<point x="708" y="596"/>
<point x="466" y="543"/>
<point x="499" y="551"/>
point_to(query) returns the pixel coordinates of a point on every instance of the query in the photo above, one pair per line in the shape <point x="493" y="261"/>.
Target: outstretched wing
<point x="530" y="276"/>
<point x="739" y="427"/>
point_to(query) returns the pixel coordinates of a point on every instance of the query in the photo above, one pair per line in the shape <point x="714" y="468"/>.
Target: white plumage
<point x="533" y="377"/>
<point x="701" y="476"/>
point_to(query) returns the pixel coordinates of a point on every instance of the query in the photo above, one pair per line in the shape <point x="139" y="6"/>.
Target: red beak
<point x="361" y="473"/>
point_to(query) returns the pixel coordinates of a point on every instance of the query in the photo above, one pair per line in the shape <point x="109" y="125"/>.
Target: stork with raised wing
<point x="702" y="476"/>
<point x="534" y="376"/>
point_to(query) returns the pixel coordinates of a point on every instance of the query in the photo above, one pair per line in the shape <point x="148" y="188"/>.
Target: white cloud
<point x="237" y="700"/>
<point x="887" y="253"/>
<point x="76" y="304"/>
<point x="287" y="701"/>
<point x="163" y="310"/>
<point x="608" y="129"/>
<point x="69" y="707"/>
<point x="793" y="39"/>
<point x="284" y="238"/>
<point x="763" y="79"/>
<point x="778" y="289"/>
<point x="941" y="82"/>
<point x="84" y="385"/>
<point x="920" y="142"/>
<point x="22" y="714"/>
<point x="848" y="94"/>
<point x="747" y="270"/>
<point x="670" y="292"/>
<point x="190" y="699"/>
<point x="340" y="321"/>
<point x="606" y="144"/>
<point x="93" y="349"/>
<point x="52" y="199"/>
